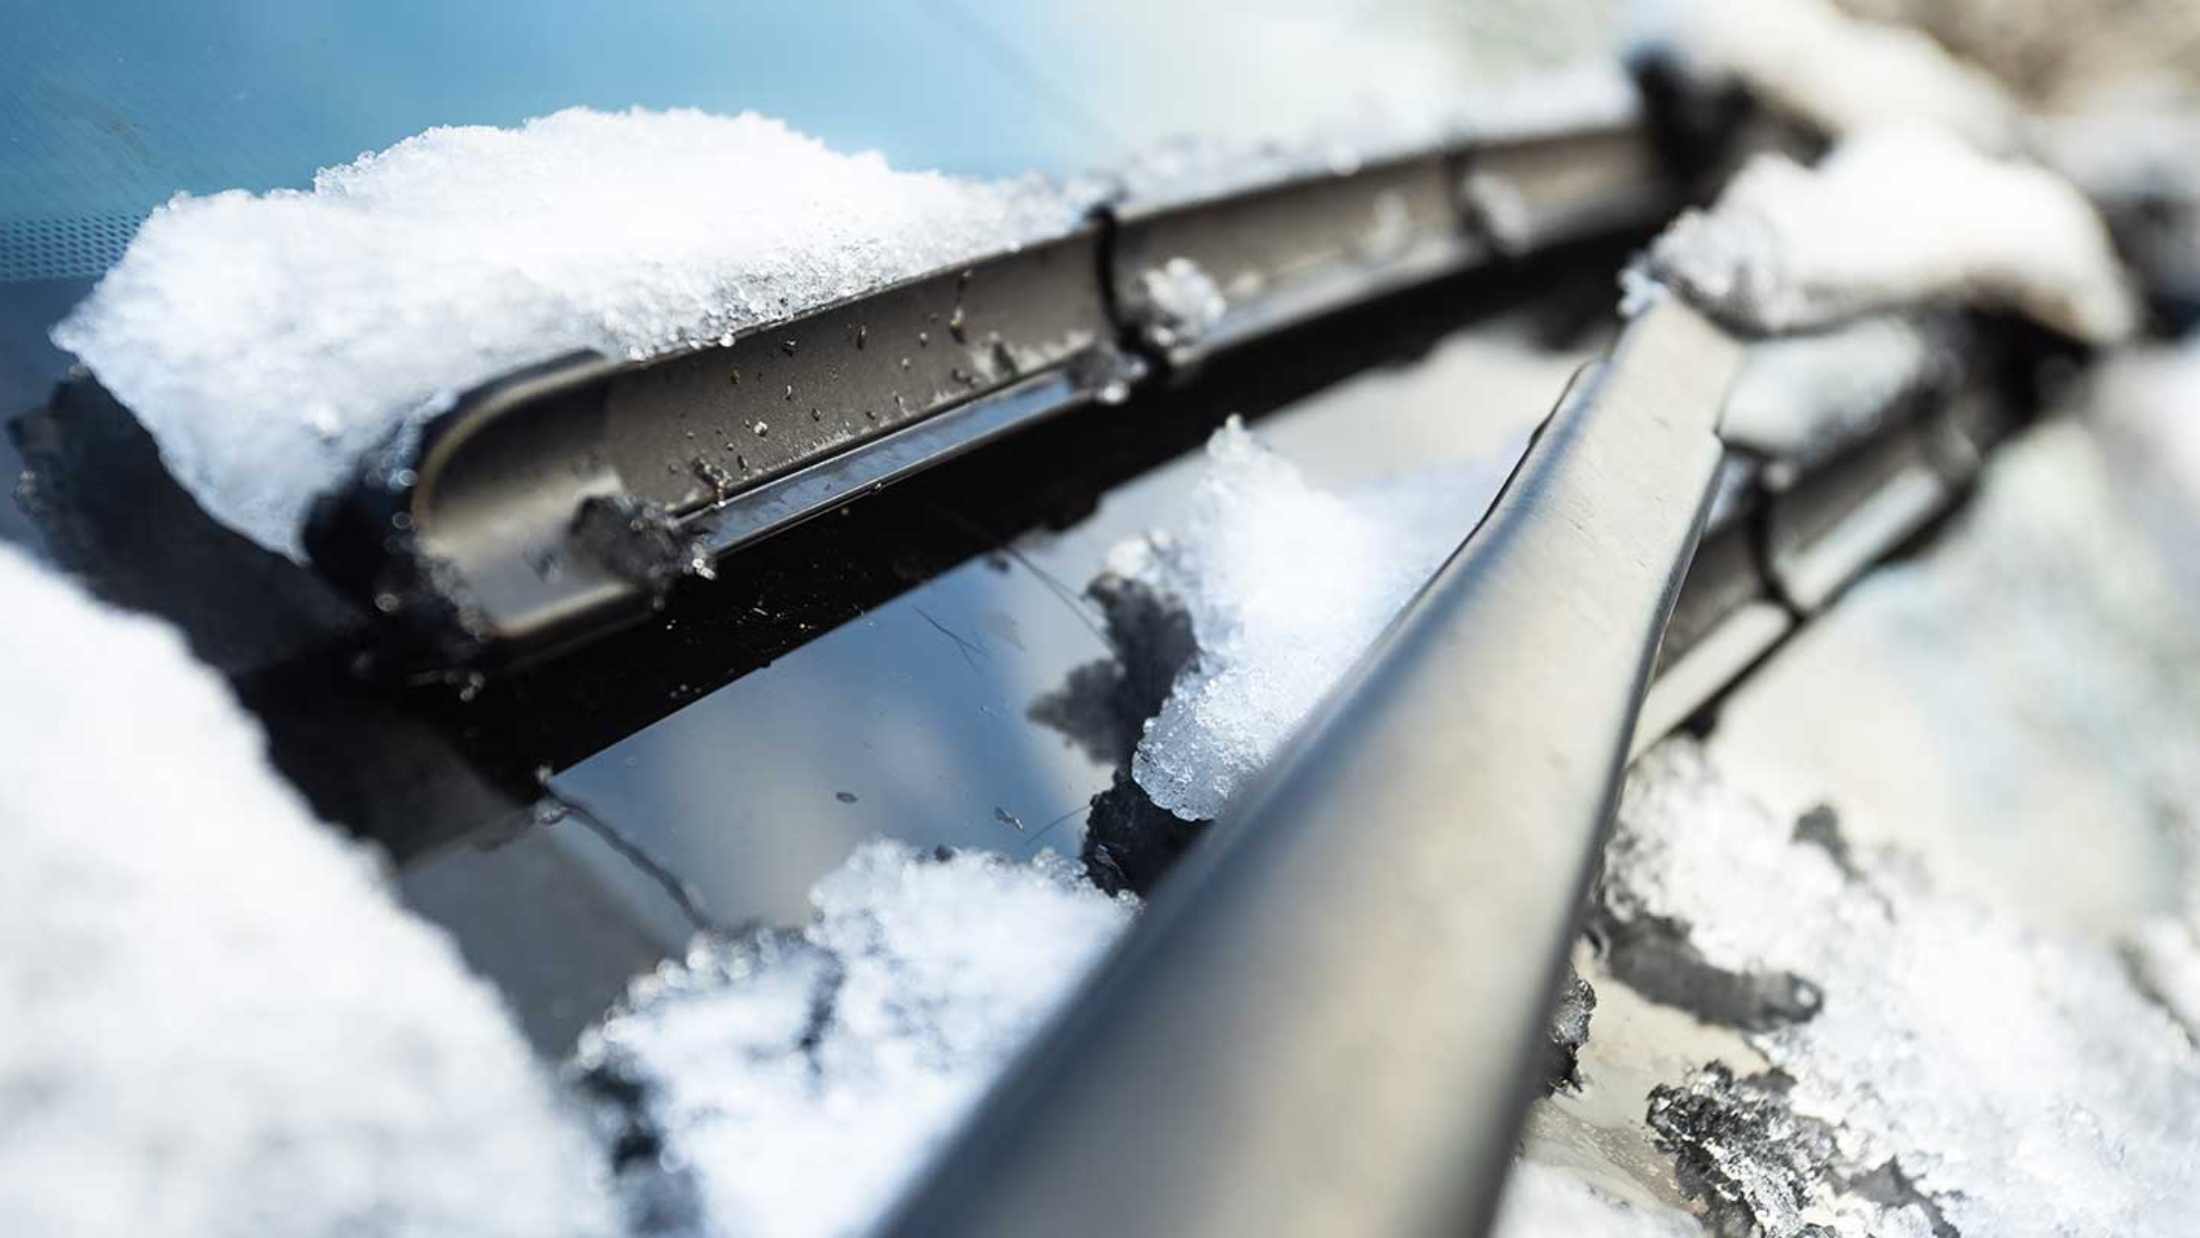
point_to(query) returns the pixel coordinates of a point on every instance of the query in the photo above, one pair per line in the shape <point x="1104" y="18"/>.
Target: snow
<point x="2018" y="1079"/>
<point x="2038" y="669"/>
<point x="1834" y="72"/>
<point x="219" y="1022"/>
<point x="799" y="1080"/>
<point x="1287" y="585"/>
<point x="1542" y="1201"/>
<point x="1800" y="394"/>
<point x="1182" y="303"/>
<point x="268" y="341"/>
<point x="1896" y="217"/>
<point x="2143" y="402"/>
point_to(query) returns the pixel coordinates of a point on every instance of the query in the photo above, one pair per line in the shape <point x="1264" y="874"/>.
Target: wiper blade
<point x="1400" y="888"/>
<point x="555" y="504"/>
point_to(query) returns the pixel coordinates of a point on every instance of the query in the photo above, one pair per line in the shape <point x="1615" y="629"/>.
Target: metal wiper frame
<point x="1399" y="889"/>
<point x="555" y="504"/>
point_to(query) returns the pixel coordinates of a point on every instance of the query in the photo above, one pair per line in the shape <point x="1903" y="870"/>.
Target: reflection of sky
<point x="110" y="106"/>
<point x="918" y="709"/>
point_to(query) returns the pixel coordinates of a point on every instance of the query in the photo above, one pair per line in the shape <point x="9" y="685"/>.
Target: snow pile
<point x="1838" y="74"/>
<point x="795" y="1082"/>
<point x="1892" y="218"/>
<point x="2018" y="1083"/>
<point x="1546" y="1202"/>
<point x="268" y="341"/>
<point x="1287" y="585"/>
<point x="218" y="1022"/>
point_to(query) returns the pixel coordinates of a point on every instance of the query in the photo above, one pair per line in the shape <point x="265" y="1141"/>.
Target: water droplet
<point x="845" y="797"/>
<point x="787" y="347"/>
<point x="924" y="339"/>
<point x="762" y="430"/>
<point x="905" y="363"/>
<point x="736" y="376"/>
<point x="862" y="333"/>
<point x="955" y="324"/>
<point x="387" y="603"/>
<point x="790" y="391"/>
<point x="741" y="462"/>
<point x="1007" y="818"/>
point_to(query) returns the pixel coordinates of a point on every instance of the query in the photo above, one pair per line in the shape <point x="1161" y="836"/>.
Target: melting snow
<point x="797" y="1081"/>
<point x="2020" y="1081"/>
<point x="1893" y="218"/>
<point x="1287" y="585"/>
<point x="269" y="341"/>
<point x="217" y="1018"/>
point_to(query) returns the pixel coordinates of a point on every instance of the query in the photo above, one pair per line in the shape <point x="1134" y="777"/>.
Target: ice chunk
<point x="794" y="1082"/>
<point x="1892" y="218"/>
<point x="1830" y="70"/>
<point x="1287" y="585"/>
<point x="218" y="1022"/>
<point x="1543" y="1201"/>
<point x="267" y="341"/>
<point x="2017" y="1082"/>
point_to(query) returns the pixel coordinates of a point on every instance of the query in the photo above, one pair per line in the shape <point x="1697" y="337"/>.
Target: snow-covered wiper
<point x="565" y="498"/>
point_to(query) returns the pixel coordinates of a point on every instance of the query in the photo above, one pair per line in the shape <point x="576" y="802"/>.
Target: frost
<point x="791" y="1083"/>
<point x="268" y="341"/>
<point x="218" y="1021"/>
<point x="2015" y="1082"/>
<point x="1894" y="218"/>
<point x="1287" y="585"/>
<point x="1546" y="1202"/>
<point x="1832" y="71"/>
